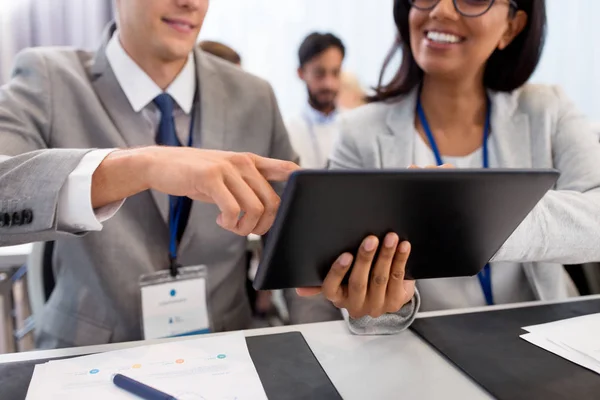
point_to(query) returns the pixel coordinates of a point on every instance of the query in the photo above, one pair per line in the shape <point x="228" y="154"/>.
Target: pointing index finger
<point x="274" y="170"/>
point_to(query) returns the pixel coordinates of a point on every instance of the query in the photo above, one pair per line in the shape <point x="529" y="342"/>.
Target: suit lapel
<point x="210" y="114"/>
<point x="210" y="120"/>
<point x="511" y="136"/>
<point x="131" y="125"/>
<point x="396" y="147"/>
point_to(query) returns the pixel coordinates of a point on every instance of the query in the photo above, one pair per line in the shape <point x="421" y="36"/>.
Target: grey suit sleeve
<point x="30" y="175"/>
<point x="565" y="225"/>
<point x="30" y="186"/>
<point x="25" y="106"/>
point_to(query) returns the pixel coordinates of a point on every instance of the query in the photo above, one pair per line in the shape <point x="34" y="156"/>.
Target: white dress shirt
<point x="74" y="202"/>
<point x="509" y="282"/>
<point x="313" y="135"/>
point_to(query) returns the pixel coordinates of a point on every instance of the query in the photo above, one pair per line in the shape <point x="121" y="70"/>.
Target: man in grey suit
<point x="115" y="98"/>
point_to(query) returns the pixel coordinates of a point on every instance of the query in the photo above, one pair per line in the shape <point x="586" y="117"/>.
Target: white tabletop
<point x="14" y="256"/>
<point x="360" y="367"/>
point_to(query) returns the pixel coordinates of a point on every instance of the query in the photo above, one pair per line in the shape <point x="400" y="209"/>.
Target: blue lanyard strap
<point x="485" y="276"/>
<point x="176" y="205"/>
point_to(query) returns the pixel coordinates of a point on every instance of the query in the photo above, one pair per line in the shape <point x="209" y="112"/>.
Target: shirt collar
<point x="140" y="89"/>
<point x="316" y="117"/>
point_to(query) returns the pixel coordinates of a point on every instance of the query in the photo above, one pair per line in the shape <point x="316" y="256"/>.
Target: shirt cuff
<point x="74" y="211"/>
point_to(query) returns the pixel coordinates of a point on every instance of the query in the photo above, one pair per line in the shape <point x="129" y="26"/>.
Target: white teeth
<point x="441" y="37"/>
<point x="181" y="24"/>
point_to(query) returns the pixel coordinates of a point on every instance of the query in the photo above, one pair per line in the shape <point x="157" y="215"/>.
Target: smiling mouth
<point x="443" y="37"/>
<point x="179" y="25"/>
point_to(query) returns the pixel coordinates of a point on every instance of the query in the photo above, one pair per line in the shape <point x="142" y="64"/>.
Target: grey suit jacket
<point x="63" y="99"/>
<point x="28" y="208"/>
<point x="532" y="127"/>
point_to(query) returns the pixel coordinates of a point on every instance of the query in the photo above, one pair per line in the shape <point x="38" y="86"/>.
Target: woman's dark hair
<point x="505" y="70"/>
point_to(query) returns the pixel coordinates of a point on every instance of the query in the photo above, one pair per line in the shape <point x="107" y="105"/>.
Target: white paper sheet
<point x="210" y="368"/>
<point x="575" y="339"/>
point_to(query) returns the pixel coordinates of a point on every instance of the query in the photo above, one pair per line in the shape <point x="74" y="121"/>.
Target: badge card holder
<point x="174" y="305"/>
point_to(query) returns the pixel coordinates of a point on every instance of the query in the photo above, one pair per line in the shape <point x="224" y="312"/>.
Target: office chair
<point x="40" y="276"/>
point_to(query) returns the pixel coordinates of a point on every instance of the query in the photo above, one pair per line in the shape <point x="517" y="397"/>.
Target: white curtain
<point x="27" y="23"/>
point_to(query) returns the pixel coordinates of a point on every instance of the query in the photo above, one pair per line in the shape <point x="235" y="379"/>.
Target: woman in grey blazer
<point x="466" y="63"/>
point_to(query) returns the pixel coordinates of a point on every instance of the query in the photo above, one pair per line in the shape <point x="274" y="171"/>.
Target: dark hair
<point x="220" y="50"/>
<point x="316" y="43"/>
<point x="505" y="70"/>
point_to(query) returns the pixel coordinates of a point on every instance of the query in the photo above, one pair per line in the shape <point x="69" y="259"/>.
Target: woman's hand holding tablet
<point x="375" y="286"/>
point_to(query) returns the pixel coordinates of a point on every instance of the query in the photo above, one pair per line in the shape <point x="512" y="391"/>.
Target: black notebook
<point x="285" y="363"/>
<point x="487" y="347"/>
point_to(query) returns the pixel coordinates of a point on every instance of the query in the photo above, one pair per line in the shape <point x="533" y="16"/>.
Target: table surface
<point x="14" y="256"/>
<point x="378" y="367"/>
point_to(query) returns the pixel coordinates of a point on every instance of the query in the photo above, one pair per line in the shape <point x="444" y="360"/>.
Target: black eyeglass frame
<point x="511" y="3"/>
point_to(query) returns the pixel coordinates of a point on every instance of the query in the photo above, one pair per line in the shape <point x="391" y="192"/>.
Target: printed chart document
<point x="575" y="339"/>
<point x="210" y="368"/>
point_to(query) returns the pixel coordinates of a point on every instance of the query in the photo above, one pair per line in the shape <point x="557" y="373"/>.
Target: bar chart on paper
<point x="211" y="368"/>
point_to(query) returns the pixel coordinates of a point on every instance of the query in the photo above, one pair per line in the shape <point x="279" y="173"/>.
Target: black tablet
<point x="455" y="219"/>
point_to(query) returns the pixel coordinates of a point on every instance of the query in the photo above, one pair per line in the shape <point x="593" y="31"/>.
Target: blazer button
<point x="4" y="220"/>
<point x="27" y="216"/>
<point x="16" y="219"/>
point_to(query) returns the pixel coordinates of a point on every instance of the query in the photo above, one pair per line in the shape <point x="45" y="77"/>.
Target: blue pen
<point x="139" y="389"/>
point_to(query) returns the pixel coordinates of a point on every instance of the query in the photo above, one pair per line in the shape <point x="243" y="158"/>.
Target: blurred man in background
<point x="313" y="131"/>
<point x="222" y="51"/>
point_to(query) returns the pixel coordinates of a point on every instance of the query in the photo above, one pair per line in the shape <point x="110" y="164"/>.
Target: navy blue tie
<point x="167" y="136"/>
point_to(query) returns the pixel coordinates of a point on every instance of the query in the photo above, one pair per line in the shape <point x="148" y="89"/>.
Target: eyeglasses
<point x="467" y="8"/>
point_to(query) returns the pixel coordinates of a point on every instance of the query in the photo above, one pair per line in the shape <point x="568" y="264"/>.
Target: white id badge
<point x="174" y="306"/>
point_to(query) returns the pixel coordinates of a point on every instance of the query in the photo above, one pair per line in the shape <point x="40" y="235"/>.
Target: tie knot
<point x="164" y="102"/>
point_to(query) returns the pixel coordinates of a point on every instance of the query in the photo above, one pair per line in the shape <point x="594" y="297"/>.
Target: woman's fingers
<point x="396" y="292"/>
<point x="380" y="276"/>
<point x="332" y="285"/>
<point x="359" y="277"/>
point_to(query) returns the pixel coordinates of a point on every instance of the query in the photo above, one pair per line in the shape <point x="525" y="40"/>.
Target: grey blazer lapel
<point x="396" y="147"/>
<point x="210" y="121"/>
<point x="511" y="136"/>
<point x="210" y="114"/>
<point x="129" y="124"/>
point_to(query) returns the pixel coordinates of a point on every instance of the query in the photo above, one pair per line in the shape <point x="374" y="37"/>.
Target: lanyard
<point x="176" y="204"/>
<point x="485" y="276"/>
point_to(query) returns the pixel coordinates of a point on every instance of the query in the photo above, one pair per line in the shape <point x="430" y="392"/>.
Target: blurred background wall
<point x="267" y="34"/>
